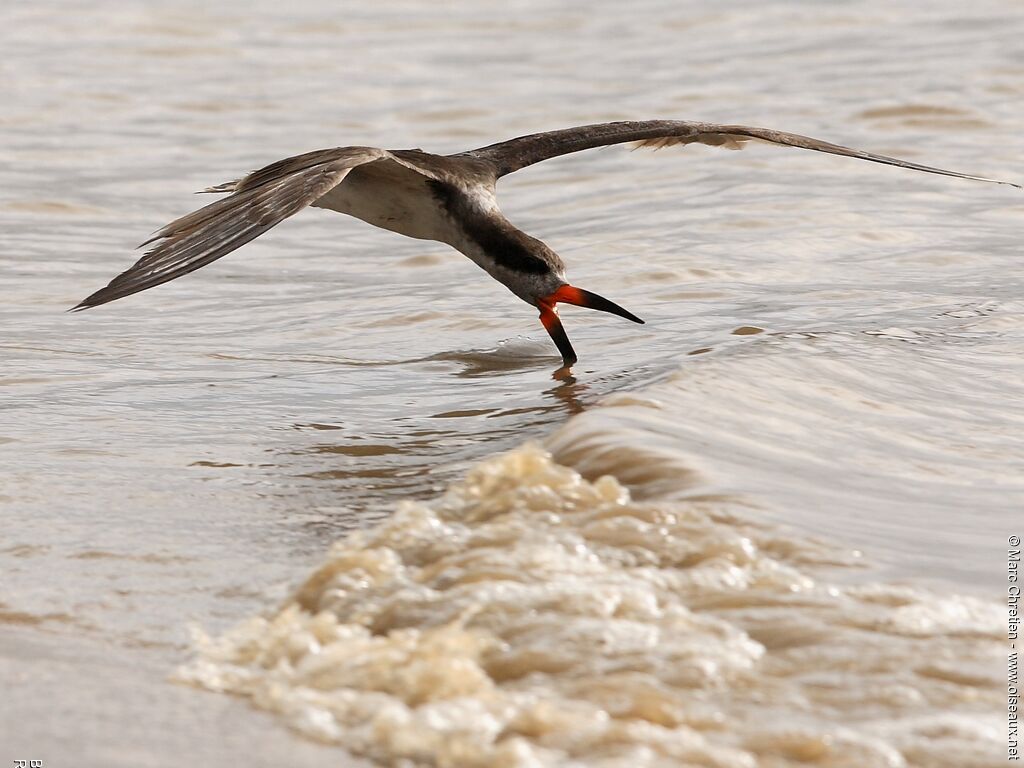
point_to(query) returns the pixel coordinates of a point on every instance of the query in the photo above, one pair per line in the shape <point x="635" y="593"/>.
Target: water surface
<point x="831" y="347"/>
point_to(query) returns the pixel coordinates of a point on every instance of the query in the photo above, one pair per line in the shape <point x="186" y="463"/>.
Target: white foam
<point x="531" y="618"/>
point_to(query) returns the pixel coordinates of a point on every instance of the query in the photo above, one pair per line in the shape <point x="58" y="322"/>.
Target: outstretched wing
<point x="509" y="156"/>
<point x="258" y="202"/>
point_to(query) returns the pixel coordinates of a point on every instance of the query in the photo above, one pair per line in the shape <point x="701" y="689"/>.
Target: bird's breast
<point x="398" y="202"/>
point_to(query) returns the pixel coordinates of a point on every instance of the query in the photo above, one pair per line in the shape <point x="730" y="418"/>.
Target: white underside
<point x="391" y="197"/>
<point x="398" y="199"/>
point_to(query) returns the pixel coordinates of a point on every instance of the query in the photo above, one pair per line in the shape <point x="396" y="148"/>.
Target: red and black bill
<point x="569" y="294"/>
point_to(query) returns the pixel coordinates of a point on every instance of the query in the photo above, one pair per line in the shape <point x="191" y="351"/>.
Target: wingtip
<point x="997" y="181"/>
<point x="90" y="301"/>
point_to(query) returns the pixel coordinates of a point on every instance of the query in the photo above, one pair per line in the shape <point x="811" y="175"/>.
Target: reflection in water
<point x="360" y="475"/>
<point x="571" y="393"/>
<point x="516" y="355"/>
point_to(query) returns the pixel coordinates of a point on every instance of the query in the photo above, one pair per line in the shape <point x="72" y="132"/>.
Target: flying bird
<point x="448" y="198"/>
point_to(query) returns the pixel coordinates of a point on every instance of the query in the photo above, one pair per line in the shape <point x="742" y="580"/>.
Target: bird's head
<point x="570" y="294"/>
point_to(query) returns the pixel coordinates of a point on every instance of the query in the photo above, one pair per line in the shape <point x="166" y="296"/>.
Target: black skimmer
<point x="449" y="198"/>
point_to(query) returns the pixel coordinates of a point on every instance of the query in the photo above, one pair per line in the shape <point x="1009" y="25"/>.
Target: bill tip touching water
<point x="445" y="198"/>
